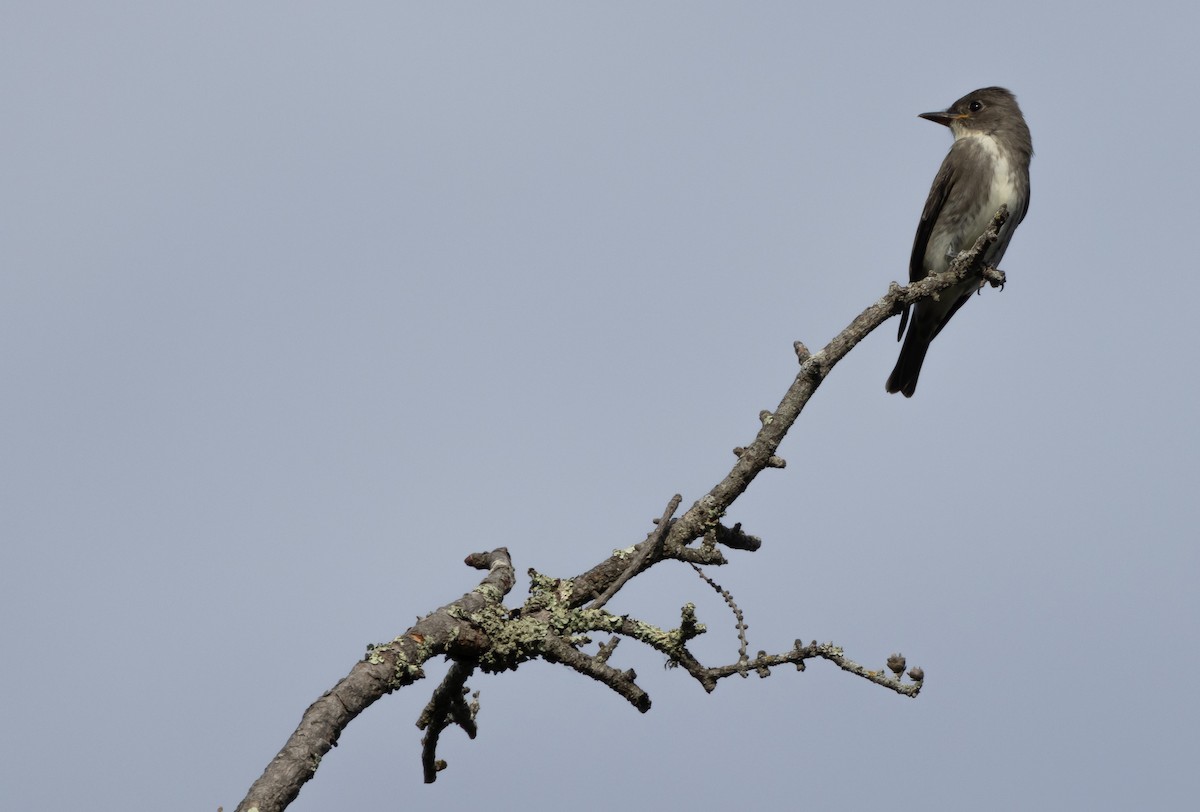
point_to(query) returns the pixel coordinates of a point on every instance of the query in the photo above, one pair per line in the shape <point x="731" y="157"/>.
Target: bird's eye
<point x="975" y="106"/>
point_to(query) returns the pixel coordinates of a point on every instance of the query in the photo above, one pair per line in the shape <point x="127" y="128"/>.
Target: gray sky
<point x="303" y="303"/>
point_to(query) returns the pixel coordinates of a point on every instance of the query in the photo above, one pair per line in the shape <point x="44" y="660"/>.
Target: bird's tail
<point x="908" y="367"/>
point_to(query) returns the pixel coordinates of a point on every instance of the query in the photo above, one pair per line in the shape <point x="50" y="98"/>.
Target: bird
<point x="987" y="166"/>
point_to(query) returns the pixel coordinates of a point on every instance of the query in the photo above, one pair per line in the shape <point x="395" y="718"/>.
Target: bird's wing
<point x="1025" y="208"/>
<point x="933" y="206"/>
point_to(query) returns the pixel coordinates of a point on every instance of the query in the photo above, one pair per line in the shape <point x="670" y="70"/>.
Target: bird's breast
<point x="986" y="179"/>
<point x="1003" y="190"/>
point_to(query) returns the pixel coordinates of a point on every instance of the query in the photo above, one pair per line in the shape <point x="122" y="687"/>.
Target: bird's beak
<point x="943" y="118"/>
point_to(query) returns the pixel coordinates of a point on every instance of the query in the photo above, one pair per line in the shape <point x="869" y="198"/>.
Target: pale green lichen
<point x="404" y="670"/>
<point x="547" y="594"/>
<point x="491" y="592"/>
<point x="545" y="589"/>
<point x="669" y="641"/>
<point x="710" y="514"/>
<point x="592" y="620"/>
<point x="512" y="640"/>
<point x="831" y="650"/>
<point x="517" y="637"/>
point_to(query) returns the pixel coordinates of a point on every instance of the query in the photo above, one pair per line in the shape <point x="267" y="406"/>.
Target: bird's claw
<point x="994" y="277"/>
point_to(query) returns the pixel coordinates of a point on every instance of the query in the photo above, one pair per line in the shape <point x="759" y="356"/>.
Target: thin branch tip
<point x="650" y="548"/>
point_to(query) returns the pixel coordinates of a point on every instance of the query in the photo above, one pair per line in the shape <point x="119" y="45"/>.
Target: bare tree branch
<point x="704" y="516"/>
<point x="764" y="662"/>
<point x="447" y="706"/>
<point x="744" y="644"/>
<point x="623" y="682"/>
<point x="651" y="547"/>
<point x="386" y="667"/>
<point x="477" y="632"/>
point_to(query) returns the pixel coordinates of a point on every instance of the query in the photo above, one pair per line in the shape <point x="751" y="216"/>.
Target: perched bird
<point x="987" y="166"/>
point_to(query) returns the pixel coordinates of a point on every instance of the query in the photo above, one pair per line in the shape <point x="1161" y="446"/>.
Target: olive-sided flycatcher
<point x="987" y="166"/>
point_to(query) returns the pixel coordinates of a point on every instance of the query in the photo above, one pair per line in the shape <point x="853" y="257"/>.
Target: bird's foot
<point x="994" y="277"/>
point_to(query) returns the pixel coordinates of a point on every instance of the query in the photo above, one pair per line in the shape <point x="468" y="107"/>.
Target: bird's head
<point x="981" y="111"/>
